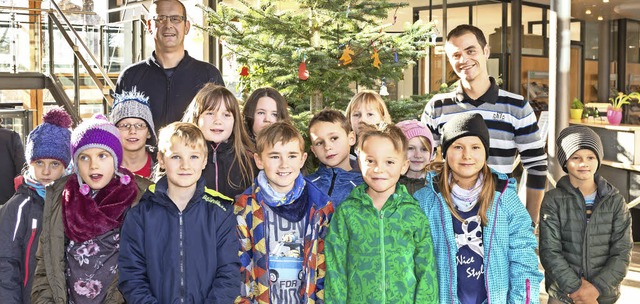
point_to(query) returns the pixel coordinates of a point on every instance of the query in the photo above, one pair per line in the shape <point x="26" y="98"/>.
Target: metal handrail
<point x="107" y="80"/>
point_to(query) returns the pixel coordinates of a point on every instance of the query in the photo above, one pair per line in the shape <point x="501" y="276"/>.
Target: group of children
<point x="231" y="218"/>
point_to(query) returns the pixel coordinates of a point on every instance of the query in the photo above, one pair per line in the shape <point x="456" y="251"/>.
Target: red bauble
<point x="303" y="73"/>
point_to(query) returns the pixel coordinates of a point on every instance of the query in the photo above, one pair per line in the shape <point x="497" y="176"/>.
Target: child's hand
<point x="587" y="293"/>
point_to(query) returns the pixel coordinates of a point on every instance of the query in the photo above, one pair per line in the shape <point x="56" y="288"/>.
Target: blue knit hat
<point x="97" y="132"/>
<point x="132" y="104"/>
<point x="51" y="138"/>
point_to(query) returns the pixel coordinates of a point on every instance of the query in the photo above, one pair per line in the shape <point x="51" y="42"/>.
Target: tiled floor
<point x="630" y="290"/>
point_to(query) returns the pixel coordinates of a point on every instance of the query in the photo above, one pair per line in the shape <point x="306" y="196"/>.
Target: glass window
<point x="591" y="40"/>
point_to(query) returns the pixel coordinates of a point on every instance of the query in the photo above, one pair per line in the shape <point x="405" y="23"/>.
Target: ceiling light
<point x="588" y="12"/>
<point x="605" y="1"/>
<point x="600" y="18"/>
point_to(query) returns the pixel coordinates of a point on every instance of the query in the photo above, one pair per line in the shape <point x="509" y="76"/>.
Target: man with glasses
<point x="132" y="116"/>
<point x="170" y="77"/>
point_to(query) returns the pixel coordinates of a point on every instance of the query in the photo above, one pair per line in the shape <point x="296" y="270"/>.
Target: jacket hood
<point x="604" y="187"/>
<point x="158" y="193"/>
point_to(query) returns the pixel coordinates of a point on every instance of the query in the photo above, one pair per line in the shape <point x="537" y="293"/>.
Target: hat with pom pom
<point x="50" y="140"/>
<point x="97" y="132"/>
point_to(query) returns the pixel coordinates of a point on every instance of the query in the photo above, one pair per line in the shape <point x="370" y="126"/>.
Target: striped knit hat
<point x="133" y="104"/>
<point x="575" y="138"/>
<point x="97" y="132"/>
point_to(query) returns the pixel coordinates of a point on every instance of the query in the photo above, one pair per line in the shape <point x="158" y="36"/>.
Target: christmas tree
<point x="317" y="51"/>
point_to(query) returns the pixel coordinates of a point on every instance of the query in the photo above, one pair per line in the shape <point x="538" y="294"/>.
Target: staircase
<point x="62" y="58"/>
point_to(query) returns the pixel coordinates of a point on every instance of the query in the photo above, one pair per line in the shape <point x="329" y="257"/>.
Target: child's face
<point x="330" y="143"/>
<point x="281" y="164"/>
<point x="96" y="167"/>
<point x="133" y="134"/>
<point x="46" y="170"/>
<point x="366" y="113"/>
<point x="419" y="156"/>
<point x="466" y="157"/>
<point x="266" y="113"/>
<point x="381" y="165"/>
<point x="183" y="165"/>
<point x="582" y="166"/>
<point x="216" y="124"/>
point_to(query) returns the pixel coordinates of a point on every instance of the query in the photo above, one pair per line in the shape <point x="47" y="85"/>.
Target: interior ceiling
<point x="614" y="9"/>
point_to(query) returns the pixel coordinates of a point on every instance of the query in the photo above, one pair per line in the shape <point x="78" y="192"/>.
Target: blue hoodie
<point x="335" y="182"/>
<point x="510" y="261"/>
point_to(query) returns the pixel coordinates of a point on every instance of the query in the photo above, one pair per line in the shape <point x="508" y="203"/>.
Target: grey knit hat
<point x="465" y="124"/>
<point x="575" y="138"/>
<point x="132" y="104"/>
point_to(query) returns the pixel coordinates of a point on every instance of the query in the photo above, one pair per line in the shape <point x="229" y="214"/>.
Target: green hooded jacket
<point x="381" y="256"/>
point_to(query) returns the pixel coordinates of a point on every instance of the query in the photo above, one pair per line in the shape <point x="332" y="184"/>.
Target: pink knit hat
<point x="413" y="128"/>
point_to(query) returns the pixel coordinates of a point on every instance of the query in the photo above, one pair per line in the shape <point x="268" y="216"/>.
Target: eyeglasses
<point x="127" y="126"/>
<point x="173" y="18"/>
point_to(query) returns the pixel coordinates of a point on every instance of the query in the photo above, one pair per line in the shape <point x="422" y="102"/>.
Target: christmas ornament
<point x="395" y="56"/>
<point x="244" y="72"/>
<point x="303" y="73"/>
<point x="346" y="55"/>
<point x="383" y="88"/>
<point x="376" y="59"/>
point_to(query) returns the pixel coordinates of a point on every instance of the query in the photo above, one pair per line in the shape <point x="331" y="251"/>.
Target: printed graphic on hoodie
<point x="285" y="257"/>
<point x="470" y="256"/>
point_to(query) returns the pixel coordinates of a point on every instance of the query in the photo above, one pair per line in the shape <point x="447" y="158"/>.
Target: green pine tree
<point x="272" y="39"/>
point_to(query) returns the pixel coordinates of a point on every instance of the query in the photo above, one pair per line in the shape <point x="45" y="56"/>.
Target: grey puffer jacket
<point x="572" y="248"/>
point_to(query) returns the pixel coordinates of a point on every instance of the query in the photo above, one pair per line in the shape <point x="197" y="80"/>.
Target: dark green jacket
<point x="381" y="256"/>
<point x="571" y="248"/>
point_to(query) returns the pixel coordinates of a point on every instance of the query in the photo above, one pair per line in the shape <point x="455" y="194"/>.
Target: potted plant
<point x="576" y="109"/>
<point x="614" y="111"/>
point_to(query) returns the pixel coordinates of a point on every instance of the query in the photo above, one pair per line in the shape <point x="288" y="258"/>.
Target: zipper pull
<point x="215" y="157"/>
<point x="381" y="214"/>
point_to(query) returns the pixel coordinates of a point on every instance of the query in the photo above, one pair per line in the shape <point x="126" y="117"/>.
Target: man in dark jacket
<point x="585" y="227"/>
<point x="170" y="77"/>
<point x="11" y="162"/>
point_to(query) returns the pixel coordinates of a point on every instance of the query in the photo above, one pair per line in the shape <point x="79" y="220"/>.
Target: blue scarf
<point x="292" y="206"/>
<point x="34" y="184"/>
<point x="275" y="199"/>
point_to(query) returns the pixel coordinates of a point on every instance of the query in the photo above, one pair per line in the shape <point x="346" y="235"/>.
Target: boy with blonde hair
<point x="197" y="228"/>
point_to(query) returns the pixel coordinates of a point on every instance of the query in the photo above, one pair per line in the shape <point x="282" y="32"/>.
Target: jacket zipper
<point x="333" y="181"/>
<point x="165" y="114"/>
<point x="214" y="161"/>
<point x="382" y="253"/>
<point x="34" y="229"/>
<point x="488" y="253"/>
<point x="181" y="245"/>
<point x="448" y="247"/>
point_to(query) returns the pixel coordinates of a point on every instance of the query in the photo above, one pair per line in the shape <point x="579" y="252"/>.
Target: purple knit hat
<point x="413" y="128"/>
<point x="51" y="138"/>
<point x="97" y="132"/>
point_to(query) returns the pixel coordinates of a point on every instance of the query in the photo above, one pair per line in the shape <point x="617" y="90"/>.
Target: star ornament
<point x="346" y="55"/>
<point x="376" y="59"/>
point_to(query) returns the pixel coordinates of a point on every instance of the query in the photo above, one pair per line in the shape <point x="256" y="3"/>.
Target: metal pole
<point x="515" y="60"/>
<point x="76" y="83"/>
<point x="604" y="56"/>
<point x="50" y="31"/>
<point x="559" y="81"/>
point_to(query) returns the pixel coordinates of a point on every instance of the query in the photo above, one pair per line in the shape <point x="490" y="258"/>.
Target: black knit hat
<point x="465" y="124"/>
<point x="575" y="138"/>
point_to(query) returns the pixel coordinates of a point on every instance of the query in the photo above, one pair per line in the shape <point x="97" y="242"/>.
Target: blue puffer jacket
<point x="335" y="182"/>
<point x="168" y="256"/>
<point x="510" y="261"/>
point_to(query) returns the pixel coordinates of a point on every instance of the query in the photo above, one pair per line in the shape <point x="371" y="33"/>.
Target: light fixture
<point x="605" y="1"/>
<point x="588" y="12"/>
<point x="600" y="18"/>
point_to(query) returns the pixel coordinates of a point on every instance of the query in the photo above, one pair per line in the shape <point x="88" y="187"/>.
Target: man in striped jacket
<point x="512" y="123"/>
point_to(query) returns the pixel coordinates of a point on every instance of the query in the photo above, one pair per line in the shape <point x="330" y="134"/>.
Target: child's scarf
<point x="287" y="206"/>
<point x="465" y="199"/>
<point x="85" y="218"/>
<point x="34" y="184"/>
